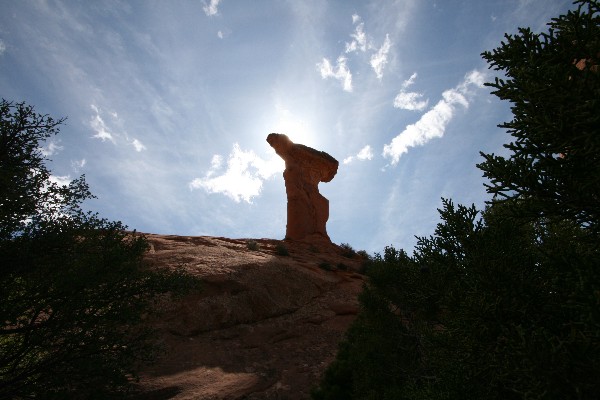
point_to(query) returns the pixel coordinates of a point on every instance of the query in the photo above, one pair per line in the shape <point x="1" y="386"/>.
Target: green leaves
<point x="73" y="285"/>
<point x="554" y="165"/>
<point x="502" y="304"/>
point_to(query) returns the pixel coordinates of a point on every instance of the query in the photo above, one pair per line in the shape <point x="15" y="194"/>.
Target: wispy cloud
<point x="410" y="81"/>
<point x="433" y="123"/>
<point x="360" y="43"/>
<point x="412" y="101"/>
<point x="104" y="132"/>
<point x="78" y="165"/>
<point x="99" y="127"/>
<point x="366" y="153"/>
<point x="379" y="59"/>
<point x="359" y="39"/>
<point x="138" y="145"/>
<point x="339" y="72"/>
<point x="243" y="177"/>
<point x="51" y="149"/>
<point x="211" y="8"/>
<point x="2" y="47"/>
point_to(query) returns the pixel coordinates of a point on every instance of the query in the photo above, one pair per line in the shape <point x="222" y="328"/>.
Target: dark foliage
<point x="73" y="285"/>
<point x="503" y="304"/>
<point x="484" y="309"/>
<point x="553" y="83"/>
<point x="281" y="250"/>
<point x="324" y="265"/>
<point x="347" y="250"/>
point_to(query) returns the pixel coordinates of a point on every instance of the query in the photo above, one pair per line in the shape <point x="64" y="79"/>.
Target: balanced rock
<point x="305" y="167"/>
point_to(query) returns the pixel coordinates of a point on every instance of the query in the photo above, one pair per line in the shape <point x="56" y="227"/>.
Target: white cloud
<point x="138" y="145"/>
<point x="2" y="47"/>
<point x="410" y="81"/>
<point x="220" y="34"/>
<point x="366" y="153"/>
<point x="51" y="149"/>
<point x="215" y="164"/>
<point x="379" y="59"/>
<point x="99" y="127"/>
<point x="360" y="43"/>
<point x="340" y="72"/>
<point x="410" y="100"/>
<point x="474" y="77"/>
<point x="77" y="165"/>
<point x="104" y="133"/>
<point x="243" y="177"/>
<point x="433" y="123"/>
<point x="359" y="40"/>
<point x="60" y="180"/>
<point x="211" y="8"/>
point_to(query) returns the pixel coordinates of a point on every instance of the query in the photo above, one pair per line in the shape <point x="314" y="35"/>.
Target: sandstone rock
<point x="263" y="326"/>
<point x="305" y="167"/>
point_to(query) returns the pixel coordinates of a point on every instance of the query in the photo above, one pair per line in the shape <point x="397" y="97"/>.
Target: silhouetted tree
<point x="553" y="82"/>
<point x="73" y="286"/>
<point x="501" y="304"/>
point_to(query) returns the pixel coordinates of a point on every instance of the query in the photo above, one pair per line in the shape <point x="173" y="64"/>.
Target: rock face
<point x="305" y="167"/>
<point x="263" y="326"/>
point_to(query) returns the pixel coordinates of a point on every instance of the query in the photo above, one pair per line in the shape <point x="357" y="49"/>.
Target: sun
<point x="297" y="126"/>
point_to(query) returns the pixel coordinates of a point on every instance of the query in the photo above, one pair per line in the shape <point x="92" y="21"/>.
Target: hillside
<point x="265" y="326"/>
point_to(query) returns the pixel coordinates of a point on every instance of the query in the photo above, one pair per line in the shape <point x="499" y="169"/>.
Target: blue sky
<point x="169" y="104"/>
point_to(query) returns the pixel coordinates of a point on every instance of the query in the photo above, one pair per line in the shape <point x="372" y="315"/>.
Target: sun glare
<point x="297" y="127"/>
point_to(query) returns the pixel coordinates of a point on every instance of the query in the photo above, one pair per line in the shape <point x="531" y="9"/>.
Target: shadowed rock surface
<point x="265" y="326"/>
<point x="305" y="167"/>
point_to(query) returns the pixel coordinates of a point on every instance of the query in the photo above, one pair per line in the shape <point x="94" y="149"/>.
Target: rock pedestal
<point x="305" y="167"/>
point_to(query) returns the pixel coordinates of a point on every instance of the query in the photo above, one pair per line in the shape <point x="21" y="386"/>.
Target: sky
<point x="169" y="104"/>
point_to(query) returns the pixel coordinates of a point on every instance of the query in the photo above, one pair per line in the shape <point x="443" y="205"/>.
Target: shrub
<point x="342" y="267"/>
<point x="281" y="250"/>
<point x="347" y="250"/>
<point x="252" y="245"/>
<point x="324" y="265"/>
<point x="364" y="255"/>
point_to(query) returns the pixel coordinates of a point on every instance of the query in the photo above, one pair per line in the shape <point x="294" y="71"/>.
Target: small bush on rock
<point x="347" y="250"/>
<point x="325" y="266"/>
<point x="342" y="266"/>
<point x="281" y="250"/>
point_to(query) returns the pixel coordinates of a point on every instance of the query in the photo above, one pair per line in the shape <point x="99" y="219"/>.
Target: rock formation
<point x="305" y="167"/>
<point x="263" y="326"/>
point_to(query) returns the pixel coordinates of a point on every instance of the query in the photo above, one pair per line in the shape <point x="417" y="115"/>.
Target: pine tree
<point x="552" y="80"/>
<point x="504" y="303"/>
<point x="73" y="286"/>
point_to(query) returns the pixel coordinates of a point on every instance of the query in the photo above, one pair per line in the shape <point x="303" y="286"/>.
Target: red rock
<point x="305" y="167"/>
<point x="262" y="326"/>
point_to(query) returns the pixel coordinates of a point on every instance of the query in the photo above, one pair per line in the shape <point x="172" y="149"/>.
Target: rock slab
<point x="263" y="326"/>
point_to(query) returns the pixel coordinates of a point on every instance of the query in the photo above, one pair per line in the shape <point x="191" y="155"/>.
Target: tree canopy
<point x="74" y="287"/>
<point x="502" y="303"/>
<point x="552" y="81"/>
